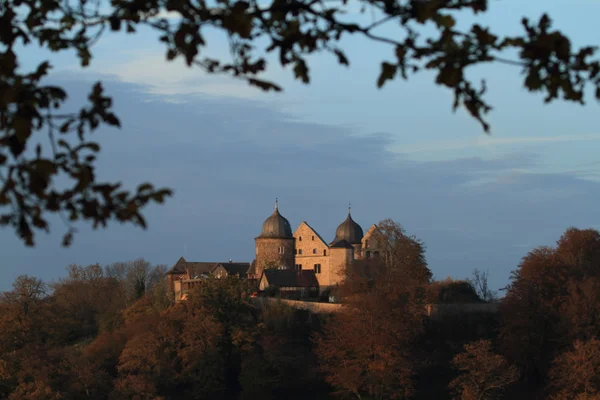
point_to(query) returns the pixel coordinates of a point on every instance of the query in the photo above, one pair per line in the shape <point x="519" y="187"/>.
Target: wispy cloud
<point x="175" y="78"/>
<point x="161" y="77"/>
<point x="488" y="142"/>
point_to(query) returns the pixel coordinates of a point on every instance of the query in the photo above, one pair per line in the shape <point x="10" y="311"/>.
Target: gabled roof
<point x="291" y="278"/>
<point x="200" y="268"/>
<point x="178" y="268"/>
<point x="372" y="228"/>
<point x="232" y="268"/>
<point x="313" y="231"/>
<point x="197" y="269"/>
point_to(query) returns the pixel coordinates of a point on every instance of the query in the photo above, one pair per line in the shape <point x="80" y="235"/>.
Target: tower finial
<point x="349" y="207"/>
<point x="276" y="203"/>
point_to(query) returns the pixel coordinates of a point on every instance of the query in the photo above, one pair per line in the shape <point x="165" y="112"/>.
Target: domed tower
<point x="275" y="246"/>
<point x="350" y="232"/>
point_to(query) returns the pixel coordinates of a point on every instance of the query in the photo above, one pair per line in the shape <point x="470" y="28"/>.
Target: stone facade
<point x="339" y="259"/>
<point x="369" y="246"/>
<point x="312" y="253"/>
<point x="328" y="261"/>
<point x="274" y="253"/>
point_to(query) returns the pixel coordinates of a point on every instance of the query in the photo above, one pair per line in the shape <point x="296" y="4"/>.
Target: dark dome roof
<point x="276" y="226"/>
<point x="349" y="231"/>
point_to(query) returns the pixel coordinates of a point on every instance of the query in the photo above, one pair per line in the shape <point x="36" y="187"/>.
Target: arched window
<point x="314" y="251"/>
<point x="324" y="252"/>
<point x="300" y="238"/>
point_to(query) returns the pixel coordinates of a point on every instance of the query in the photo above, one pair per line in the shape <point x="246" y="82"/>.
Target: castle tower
<point x="275" y="246"/>
<point x="352" y="233"/>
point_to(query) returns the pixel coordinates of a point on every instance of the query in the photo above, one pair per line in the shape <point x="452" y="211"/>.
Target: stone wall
<point x="314" y="307"/>
<point x="267" y="253"/>
<point x="338" y="261"/>
<point x="172" y="281"/>
<point x="434" y="311"/>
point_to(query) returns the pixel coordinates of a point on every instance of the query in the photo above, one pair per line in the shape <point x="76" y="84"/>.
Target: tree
<point x="226" y="301"/>
<point x="195" y="348"/>
<point x="84" y="302"/>
<point x="581" y="309"/>
<point x="366" y="350"/>
<point x="551" y="301"/>
<point x="483" y="374"/>
<point x="479" y="281"/>
<point x="294" y="29"/>
<point x="576" y="373"/>
<point x="401" y="253"/>
<point x="138" y="278"/>
<point x="453" y="291"/>
<point x="529" y="312"/>
<point x="283" y="347"/>
<point x="22" y="313"/>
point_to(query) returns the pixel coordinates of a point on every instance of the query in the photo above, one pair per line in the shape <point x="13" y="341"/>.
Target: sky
<point x="228" y="150"/>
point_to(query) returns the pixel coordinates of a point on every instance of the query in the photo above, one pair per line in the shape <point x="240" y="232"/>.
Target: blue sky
<point x="228" y="150"/>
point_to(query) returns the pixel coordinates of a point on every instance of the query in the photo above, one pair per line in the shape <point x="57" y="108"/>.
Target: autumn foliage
<point x="113" y="333"/>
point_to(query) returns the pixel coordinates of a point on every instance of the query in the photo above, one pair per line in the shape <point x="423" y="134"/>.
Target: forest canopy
<point x="113" y="332"/>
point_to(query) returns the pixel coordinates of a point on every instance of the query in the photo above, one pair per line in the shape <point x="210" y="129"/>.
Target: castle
<point x="300" y="261"/>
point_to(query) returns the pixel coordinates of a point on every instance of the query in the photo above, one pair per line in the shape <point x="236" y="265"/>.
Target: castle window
<point x="281" y="250"/>
<point x="296" y="251"/>
<point x="368" y="254"/>
<point x="300" y="251"/>
<point x="324" y="252"/>
<point x="299" y="267"/>
<point x="314" y="251"/>
<point x="317" y="268"/>
<point x="313" y="238"/>
<point x="300" y="238"/>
